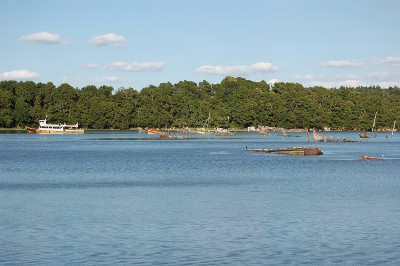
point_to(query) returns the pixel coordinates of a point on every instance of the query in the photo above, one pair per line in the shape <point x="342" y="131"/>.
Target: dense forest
<point x="234" y="103"/>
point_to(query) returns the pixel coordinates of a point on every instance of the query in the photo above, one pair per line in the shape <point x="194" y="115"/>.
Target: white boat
<point x="45" y="128"/>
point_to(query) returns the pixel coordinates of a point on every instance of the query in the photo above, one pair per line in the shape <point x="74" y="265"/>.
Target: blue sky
<point x="125" y="43"/>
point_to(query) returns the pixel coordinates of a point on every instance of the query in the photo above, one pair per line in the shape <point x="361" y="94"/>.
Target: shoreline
<point x="294" y="130"/>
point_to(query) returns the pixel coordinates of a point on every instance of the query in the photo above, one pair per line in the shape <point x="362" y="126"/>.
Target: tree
<point x="186" y="103"/>
<point x="125" y="108"/>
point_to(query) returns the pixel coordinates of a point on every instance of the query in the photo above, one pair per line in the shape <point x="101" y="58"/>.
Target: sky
<point x="134" y="44"/>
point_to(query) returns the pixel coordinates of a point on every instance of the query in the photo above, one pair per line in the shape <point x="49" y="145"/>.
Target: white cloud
<point x="387" y="84"/>
<point x="354" y="83"/>
<point x="342" y="64"/>
<point x="263" y="67"/>
<point x="273" y="81"/>
<point x="107" y="79"/>
<point x="389" y="61"/>
<point x="107" y="39"/>
<point x="349" y="76"/>
<point x="222" y="70"/>
<point x="387" y="76"/>
<point x="20" y="74"/>
<point x="237" y="70"/>
<point x="337" y="84"/>
<point x="137" y="66"/>
<point x="382" y="78"/>
<point x="303" y="77"/>
<point x="325" y="77"/>
<point x="91" y="66"/>
<point x="257" y="41"/>
<point x="42" y="38"/>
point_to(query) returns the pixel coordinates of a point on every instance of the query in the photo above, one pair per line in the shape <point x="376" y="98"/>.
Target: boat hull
<point x="45" y="128"/>
<point x="363" y="136"/>
<point x="152" y="131"/>
<point x="291" y="151"/>
<point x="369" y="158"/>
<point x="67" y="131"/>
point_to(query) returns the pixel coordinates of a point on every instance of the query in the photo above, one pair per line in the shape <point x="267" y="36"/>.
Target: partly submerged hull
<point x="299" y="151"/>
<point x="152" y="131"/>
<point x="369" y="158"/>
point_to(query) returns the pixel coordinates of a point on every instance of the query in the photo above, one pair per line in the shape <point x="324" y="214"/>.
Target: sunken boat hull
<point x="297" y="151"/>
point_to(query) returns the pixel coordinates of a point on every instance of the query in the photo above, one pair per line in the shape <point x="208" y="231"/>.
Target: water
<point x="124" y="198"/>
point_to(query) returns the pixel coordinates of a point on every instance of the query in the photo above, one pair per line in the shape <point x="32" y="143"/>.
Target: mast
<point x="205" y="126"/>
<point x="394" y="126"/>
<point x="373" y="125"/>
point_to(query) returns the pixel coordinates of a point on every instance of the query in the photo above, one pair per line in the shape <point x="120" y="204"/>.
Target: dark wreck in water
<point x="297" y="151"/>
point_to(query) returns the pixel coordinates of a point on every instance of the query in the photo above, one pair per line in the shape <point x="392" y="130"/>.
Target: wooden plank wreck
<point x="297" y="151"/>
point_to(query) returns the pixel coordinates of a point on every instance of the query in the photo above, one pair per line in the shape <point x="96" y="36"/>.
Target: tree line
<point x="233" y="103"/>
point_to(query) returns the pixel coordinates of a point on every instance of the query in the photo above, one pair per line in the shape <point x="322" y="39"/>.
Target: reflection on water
<point x="119" y="198"/>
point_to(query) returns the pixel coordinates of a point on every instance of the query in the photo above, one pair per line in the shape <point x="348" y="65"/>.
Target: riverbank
<point x="12" y="130"/>
<point x="295" y="130"/>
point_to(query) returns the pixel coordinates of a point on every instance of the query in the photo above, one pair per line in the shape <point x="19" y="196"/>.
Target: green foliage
<point x="235" y="102"/>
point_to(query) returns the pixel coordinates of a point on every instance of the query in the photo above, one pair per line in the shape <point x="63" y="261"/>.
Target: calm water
<point x="123" y="198"/>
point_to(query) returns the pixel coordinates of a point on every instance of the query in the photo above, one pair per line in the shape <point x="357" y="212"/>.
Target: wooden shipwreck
<point x="319" y="138"/>
<point x="297" y="151"/>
